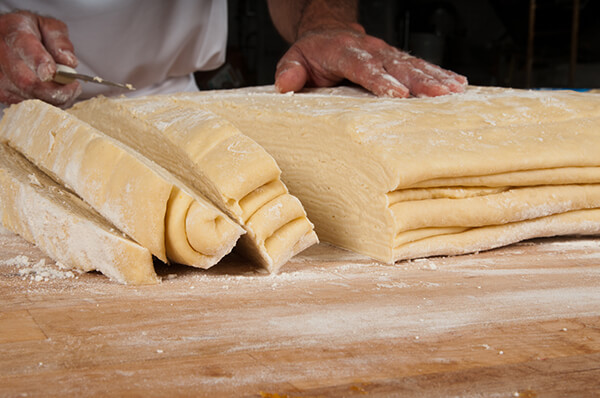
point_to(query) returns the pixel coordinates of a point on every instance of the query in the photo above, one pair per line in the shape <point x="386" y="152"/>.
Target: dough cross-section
<point x="210" y="154"/>
<point x="123" y="186"/>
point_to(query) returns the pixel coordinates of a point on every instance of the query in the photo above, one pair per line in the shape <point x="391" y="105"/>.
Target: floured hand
<point x="30" y="47"/>
<point x="324" y="56"/>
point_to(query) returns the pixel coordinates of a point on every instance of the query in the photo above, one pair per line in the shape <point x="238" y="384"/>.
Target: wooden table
<point x="520" y="321"/>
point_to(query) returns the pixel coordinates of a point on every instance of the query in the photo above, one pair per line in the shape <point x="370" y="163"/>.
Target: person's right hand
<point x="30" y="47"/>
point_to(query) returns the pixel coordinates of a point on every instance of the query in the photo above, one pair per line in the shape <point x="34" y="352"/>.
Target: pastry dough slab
<point x="126" y="188"/>
<point x="209" y="153"/>
<point x="402" y="178"/>
<point x="62" y="225"/>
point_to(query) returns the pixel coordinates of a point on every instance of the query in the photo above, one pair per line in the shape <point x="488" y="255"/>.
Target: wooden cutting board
<point x="519" y="321"/>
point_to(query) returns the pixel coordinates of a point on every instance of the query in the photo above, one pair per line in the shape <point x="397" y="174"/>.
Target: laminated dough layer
<point x="403" y="178"/>
<point x="126" y="188"/>
<point x="209" y="153"/>
<point x="66" y="228"/>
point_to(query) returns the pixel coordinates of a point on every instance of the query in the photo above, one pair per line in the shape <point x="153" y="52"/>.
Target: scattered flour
<point x="38" y="271"/>
<point x="19" y="261"/>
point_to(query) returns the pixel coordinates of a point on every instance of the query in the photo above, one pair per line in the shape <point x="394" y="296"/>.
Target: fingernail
<point x="70" y="57"/>
<point x="278" y="87"/>
<point x="455" y="86"/>
<point x="444" y="90"/>
<point x="396" y="92"/>
<point x="45" y="72"/>
<point x="281" y="72"/>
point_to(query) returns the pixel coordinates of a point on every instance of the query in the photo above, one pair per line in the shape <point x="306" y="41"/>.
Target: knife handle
<point x="63" y="74"/>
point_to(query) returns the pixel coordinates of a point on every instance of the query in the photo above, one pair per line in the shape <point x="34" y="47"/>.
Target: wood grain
<point x="522" y="320"/>
<point x="18" y="326"/>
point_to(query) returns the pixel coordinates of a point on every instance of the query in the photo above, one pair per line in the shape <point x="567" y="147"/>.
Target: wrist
<point x="318" y="15"/>
<point x="329" y="25"/>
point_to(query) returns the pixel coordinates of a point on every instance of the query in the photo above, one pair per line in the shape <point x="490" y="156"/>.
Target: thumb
<point x="291" y="74"/>
<point x="55" y="37"/>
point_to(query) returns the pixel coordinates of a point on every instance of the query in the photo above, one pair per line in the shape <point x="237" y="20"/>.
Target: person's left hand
<point x="323" y="57"/>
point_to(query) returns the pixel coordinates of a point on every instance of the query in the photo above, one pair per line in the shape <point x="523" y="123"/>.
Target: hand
<point x="323" y="57"/>
<point x="30" y="47"/>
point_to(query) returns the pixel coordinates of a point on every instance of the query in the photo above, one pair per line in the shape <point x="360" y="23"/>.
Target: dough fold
<point x="68" y="230"/>
<point x="210" y="154"/>
<point x="123" y="186"/>
<point x="402" y="178"/>
<point x="193" y="234"/>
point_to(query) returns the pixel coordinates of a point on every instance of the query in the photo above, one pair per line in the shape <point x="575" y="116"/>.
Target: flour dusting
<point x="38" y="271"/>
<point x="18" y="261"/>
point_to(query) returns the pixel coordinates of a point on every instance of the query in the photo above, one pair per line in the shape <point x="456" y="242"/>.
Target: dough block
<point x="402" y="178"/>
<point x="126" y="188"/>
<point x="210" y="154"/>
<point x="64" y="227"/>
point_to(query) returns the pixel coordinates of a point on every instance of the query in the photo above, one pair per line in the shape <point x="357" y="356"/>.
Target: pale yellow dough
<point x="62" y="225"/>
<point x="401" y="178"/>
<point x="126" y="188"/>
<point x="210" y="154"/>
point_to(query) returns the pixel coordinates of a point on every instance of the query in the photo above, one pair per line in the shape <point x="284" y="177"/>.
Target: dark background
<point x="485" y="40"/>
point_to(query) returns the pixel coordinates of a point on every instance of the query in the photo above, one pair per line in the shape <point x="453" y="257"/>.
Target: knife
<point x="65" y="75"/>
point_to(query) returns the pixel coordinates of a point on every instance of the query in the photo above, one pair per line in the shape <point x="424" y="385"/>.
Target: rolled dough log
<point x="123" y="186"/>
<point x="64" y="227"/>
<point x="401" y="178"/>
<point x="209" y="153"/>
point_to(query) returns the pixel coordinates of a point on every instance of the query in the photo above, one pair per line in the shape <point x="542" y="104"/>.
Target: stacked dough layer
<point x="133" y="193"/>
<point x="211" y="155"/>
<point x="65" y="227"/>
<point x="398" y="179"/>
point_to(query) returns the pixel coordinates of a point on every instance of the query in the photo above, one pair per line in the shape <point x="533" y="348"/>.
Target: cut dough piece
<point x="394" y="178"/>
<point x="120" y="184"/>
<point x="64" y="227"/>
<point x="209" y="153"/>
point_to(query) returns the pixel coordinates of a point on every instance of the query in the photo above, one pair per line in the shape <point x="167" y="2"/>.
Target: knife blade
<point x="65" y="75"/>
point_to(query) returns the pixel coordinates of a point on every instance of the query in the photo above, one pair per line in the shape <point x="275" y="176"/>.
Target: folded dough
<point x="402" y="178"/>
<point x="126" y="188"/>
<point x="62" y="225"/>
<point x="209" y="153"/>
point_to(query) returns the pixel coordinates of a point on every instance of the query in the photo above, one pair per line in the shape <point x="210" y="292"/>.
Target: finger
<point x="454" y="81"/>
<point x="9" y="94"/>
<point x="422" y="77"/>
<point x="16" y="71"/>
<point x="291" y="74"/>
<point x="22" y="46"/>
<point x="380" y="82"/>
<point x="58" y="94"/>
<point x="360" y="67"/>
<point x="55" y="38"/>
<point x="423" y="85"/>
<point x="419" y="82"/>
<point x="9" y="98"/>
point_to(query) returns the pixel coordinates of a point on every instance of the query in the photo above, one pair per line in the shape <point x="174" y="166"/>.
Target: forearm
<point x="294" y="17"/>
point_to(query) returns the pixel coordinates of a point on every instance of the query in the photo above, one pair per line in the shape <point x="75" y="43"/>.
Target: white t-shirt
<point x="153" y="44"/>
